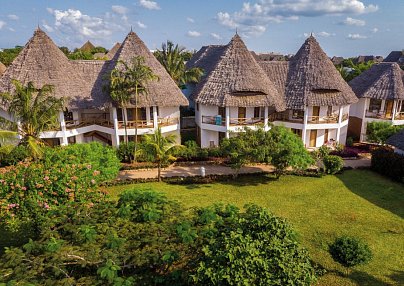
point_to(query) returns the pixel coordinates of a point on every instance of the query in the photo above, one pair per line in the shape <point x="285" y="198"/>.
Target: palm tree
<point x="173" y="58"/>
<point x="36" y="110"/>
<point x="128" y="80"/>
<point x="159" y="147"/>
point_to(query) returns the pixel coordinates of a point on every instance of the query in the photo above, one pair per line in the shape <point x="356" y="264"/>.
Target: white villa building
<point x="307" y="94"/>
<point x="380" y="90"/>
<point x="90" y="114"/>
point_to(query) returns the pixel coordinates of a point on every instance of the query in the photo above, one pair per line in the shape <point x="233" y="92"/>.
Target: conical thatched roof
<point x="313" y="80"/>
<point x="87" y="47"/>
<point x="381" y="81"/>
<point x="395" y="57"/>
<point x="277" y="71"/>
<point x="234" y="78"/>
<point x="2" y="68"/>
<point x="42" y="62"/>
<point x="110" y="55"/>
<point x="163" y="92"/>
<point x="83" y="82"/>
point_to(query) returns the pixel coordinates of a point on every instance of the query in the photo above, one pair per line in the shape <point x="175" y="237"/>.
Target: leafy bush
<point x="29" y="190"/>
<point x="379" y="132"/>
<point x="251" y="248"/>
<point x="350" y="251"/>
<point x="17" y="154"/>
<point x="386" y="162"/>
<point x="349" y="142"/>
<point x="101" y="158"/>
<point x="347" y="152"/>
<point x="125" y="153"/>
<point x="333" y="164"/>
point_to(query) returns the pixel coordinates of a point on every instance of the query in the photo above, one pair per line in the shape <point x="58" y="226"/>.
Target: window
<point x="197" y="106"/>
<point x="375" y="105"/>
<point x="329" y="111"/>
<point x="257" y="112"/>
<point x="119" y="114"/>
<point x="316" y="111"/>
<point x="222" y="111"/>
<point x="297" y="114"/>
<point x="242" y="112"/>
<point x="298" y="132"/>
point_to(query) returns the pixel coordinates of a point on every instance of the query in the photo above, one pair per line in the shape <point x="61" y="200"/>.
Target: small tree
<point x="159" y="146"/>
<point x="350" y="251"/>
<point x="379" y="132"/>
<point x="332" y="164"/>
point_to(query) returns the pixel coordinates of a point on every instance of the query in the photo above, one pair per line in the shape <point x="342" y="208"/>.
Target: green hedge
<point x="388" y="163"/>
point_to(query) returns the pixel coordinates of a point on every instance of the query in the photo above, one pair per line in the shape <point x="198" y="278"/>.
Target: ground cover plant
<point x="357" y="203"/>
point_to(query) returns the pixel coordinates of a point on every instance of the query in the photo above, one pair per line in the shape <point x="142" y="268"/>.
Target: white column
<point x="266" y="126"/>
<point x="115" y="136"/>
<point x="382" y="106"/>
<point x="148" y="115"/>
<point x="155" y="118"/>
<point x="305" y="119"/>
<point x="19" y="129"/>
<point x="227" y="109"/>
<point x="63" y="141"/>
<point x="339" y="123"/>
<point x="394" y="109"/>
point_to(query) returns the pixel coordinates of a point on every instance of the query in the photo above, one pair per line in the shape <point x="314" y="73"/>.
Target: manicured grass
<point x="358" y="202"/>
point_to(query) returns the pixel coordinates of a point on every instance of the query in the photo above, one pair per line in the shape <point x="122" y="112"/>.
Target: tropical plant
<point x="349" y="70"/>
<point x="127" y="81"/>
<point x="333" y="164"/>
<point x="173" y="58"/>
<point x="159" y="146"/>
<point x="36" y="110"/>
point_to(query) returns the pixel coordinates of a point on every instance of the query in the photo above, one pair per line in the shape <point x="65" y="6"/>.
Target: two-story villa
<point x="90" y="114"/>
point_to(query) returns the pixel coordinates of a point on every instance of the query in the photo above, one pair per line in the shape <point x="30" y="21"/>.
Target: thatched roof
<point x="395" y="57"/>
<point x="277" y="71"/>
<point x="397" y="140"/>
<point x="2" y="68"/>
<point x="162" y="92"/>
<point x="233" y="78"/>
<point x="381" y="81"/>
<point x="110" y="55"/>
<point x="87" y="47"/>
<point x="83" y="82"/>
<point x="313" y="80"/>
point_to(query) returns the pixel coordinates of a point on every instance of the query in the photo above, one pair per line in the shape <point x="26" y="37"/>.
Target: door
<point x="326" y="136"/>
<point x="389" y="108"/>
<point x="313" y="138"/>
<point x="316" y="110"/>
<point x="257" y="112"/>
<point x="241" y="115"/>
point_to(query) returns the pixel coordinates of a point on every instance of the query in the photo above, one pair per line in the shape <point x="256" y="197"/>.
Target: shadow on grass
<point x="397" y="277"/>
<point x="376" y="189"/>
<point x="250" y="180"/>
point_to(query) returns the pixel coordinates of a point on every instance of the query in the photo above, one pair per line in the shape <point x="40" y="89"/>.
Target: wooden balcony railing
<point x="378" y="114"/>
<point x="345" y="117"/>
<point x="214" y="120"/>
<point x="220" y="121"/>
<point x="149" y="124"/>
<point x="168" y="121"/>
<point x="285" y="117"/>
<point x="322" y="119"/>
<point x="73" y="124"/>
<point x="399" y="116"/>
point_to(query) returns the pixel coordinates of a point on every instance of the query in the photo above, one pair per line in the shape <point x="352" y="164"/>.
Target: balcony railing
<point x="285" y="117"/>
<point x="148" y="124"/>
<point x="322" y="119"/>
<point x="220" y="121"/>
<point x="378" y="114"/>
<point x="399" y="116"/>
<point x="73" y="124"/>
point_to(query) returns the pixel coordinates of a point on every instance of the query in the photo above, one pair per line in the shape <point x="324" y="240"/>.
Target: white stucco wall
<point x="207" y="136"/>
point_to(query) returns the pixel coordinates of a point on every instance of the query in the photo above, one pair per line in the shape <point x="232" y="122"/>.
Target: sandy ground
<point x="195" y="170"/>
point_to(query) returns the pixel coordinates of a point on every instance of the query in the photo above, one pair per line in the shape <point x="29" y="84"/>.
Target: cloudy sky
<point x="343" y="27"/>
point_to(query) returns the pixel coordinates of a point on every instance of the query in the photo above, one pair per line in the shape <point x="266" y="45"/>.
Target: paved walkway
<point x="195" y="170"/>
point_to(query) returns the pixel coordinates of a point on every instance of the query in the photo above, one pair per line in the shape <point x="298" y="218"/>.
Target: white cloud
<point x="13" y="17"/>
<point x="2" y="24"/>
<point x="193" y="34"/>
<point x="320" y="34"/>
<point x="47" y="27"/>
<point x="356" y="37"/>
<point x="191" y="20"/>
<point x="375" y="30"/>
<point x="148" y="4"/>
<point x="11" y="29"/>
<point x="254" y="18"/>
<point x="118" y="9"/>
<point x="353" y="22"/>
<point x="216" y="36"/>
<point x="141" y="25"/>
<point x="77" y="27"/>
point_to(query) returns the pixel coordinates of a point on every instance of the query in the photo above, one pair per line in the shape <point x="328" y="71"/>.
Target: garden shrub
<point x="332" y="164"/>
<point x="379" y="132"/>
<point x="17" y="154"/>
<point x="350" y="251"/>
<point x="30" y="189"/>
<point x="101" y="158"/>
<point x="349" y="142"/>
<point x="387" y="163"/>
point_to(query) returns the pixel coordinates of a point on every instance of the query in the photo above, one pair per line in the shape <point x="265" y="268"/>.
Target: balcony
<point x="219" y="121"/>
<point x="74" y="124"/>
<point x="378" y="114"/>
<point x="322" y="119"/>
<point x="399" y="116"/>
<point x="286" y="118"/>
<point x="148" y="124"/>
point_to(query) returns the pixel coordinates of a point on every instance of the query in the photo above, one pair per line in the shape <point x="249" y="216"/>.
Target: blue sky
<point x="343" y="27"/>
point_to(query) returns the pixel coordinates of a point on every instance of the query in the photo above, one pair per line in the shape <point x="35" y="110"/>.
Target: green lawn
<point x="358" y="202"/>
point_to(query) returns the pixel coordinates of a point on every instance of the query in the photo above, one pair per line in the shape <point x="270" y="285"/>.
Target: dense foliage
<point x="69" y="173"/>
<point x="8" y="55"/>
<point x="379" y="131"/>
<point x="145" y="239"/>
<point x="349" y="70"/>
<point x="278" y="146"/>
<point x="388" y="163"/>
<point x="350" y="251"/>
<point x="332" y="164"/>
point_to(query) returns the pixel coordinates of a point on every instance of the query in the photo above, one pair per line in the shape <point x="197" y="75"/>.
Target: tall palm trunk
<point x="136" y="95"/>
<point x="125" y="122"/>
<point x="159" y="171"/>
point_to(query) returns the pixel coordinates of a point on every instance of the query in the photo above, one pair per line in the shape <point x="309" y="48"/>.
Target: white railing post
<point x="63" y="128"/>
<point x="339" y="124"/>
<point x="115" y="137"/>
<point x="305" y="119"/>
<point x="266" y="126"/>
<point x="227" y="109"/>
<point x="155" y="118"/>
<point x="394" y="109"/>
